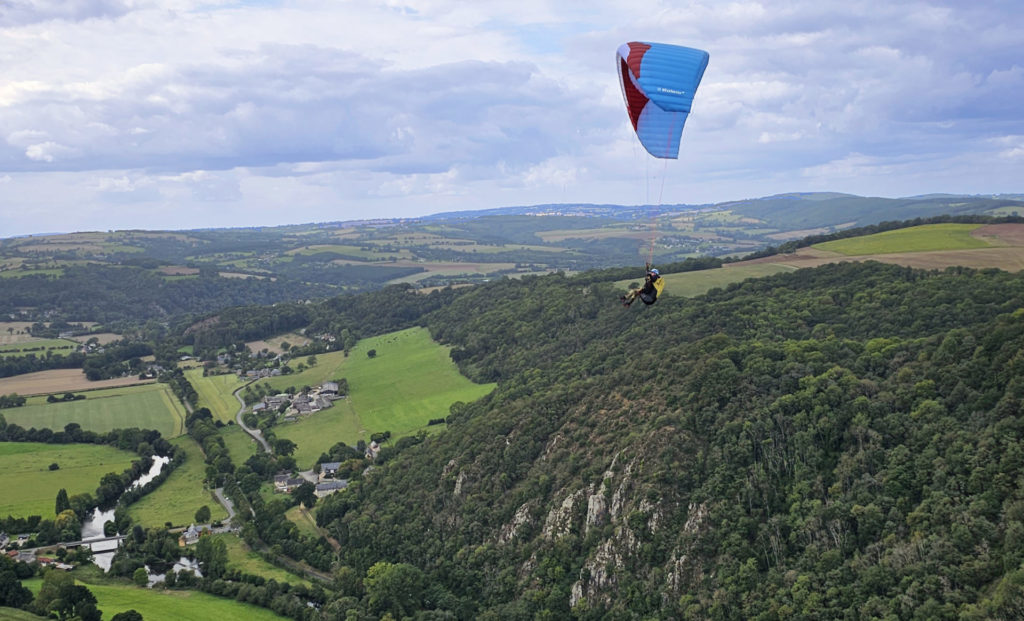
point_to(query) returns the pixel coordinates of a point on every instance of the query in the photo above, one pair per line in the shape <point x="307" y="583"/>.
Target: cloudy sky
<point x="174" y="114"/>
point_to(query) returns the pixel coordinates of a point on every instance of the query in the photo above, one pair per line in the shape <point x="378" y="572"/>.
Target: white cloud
<point x="408" y="106"/>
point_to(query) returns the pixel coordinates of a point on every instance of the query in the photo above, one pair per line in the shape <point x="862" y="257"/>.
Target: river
<point x="103" y="552"/>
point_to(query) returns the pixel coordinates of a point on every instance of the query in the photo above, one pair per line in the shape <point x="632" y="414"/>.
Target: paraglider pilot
<point x="649" y="292"/>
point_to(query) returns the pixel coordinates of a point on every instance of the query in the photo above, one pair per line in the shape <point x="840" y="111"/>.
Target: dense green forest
<point x="844" y="442"/>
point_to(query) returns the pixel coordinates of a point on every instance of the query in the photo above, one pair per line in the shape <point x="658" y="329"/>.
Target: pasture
<point x="161" y="605"/>
<point x="410" y="381"/>
<point x="273" y="344"/>
<point x="240" y="445"/>
<point x="215" y="392"/>
<point x="177" y="499"/>
<point x="59" y="381"/>
<point x="30" y="488"/>
<point x="148" y="406"/>
<point x="926" y="238"/>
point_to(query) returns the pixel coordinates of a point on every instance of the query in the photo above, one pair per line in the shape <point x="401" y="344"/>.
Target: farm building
<point x="329" y="487"/>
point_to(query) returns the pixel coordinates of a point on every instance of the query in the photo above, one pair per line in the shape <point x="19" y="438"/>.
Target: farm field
<point x="274" y="344"/>
<point x="1002" y="248"/>
<point x="690" y="284"/>
<point x="30" y="487"/>
<point x="149" y="406"/>
<point x="161" y="605"/>
<point x="931" y="237"/>
<point x="410" y="381"/>
<point x="60" y="381"/>
<point x="178" y="498"/>
<point x="215" y="392"/>
<point x="15" y="345"/>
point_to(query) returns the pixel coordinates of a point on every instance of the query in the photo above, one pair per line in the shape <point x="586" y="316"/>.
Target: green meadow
<point x="30" y="487"/>
<point x="326" y="369"/>
<point x="13" y="614"/>
<point x="147" y="406"/>
<point x="177" y="498"/>
<point x="244" y="559"/>
<point x="409" y="381"/>
<point x="161" y="605"/>
<point x="929" y="237"/>
<point x="690" y="284"/>
<point x="240" y="445"/>
<point x="215" y="392"/>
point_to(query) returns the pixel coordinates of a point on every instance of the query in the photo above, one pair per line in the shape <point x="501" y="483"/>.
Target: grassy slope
<point x="178" y="498"/>
<point x="242" y="558"/>
<point x="410" y="381"/>
<point x="148" y="406"/>
<point x="160" y="605"/>
<point x="925" y="238"/>
<point x="30" y="488"/>
<point x="215" y="392"/>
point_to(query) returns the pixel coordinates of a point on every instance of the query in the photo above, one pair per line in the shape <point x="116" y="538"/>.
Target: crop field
<point x="169" y="605"/>
<point x="177" y="499"/>
<point x="30" y="488"/>
<point x="690" y="284"/>
<point x="215" y="392"/>
<point x="149" y="406"/>
<point x="59" y="381"/>
<point x="410" y="381"/>
<point x="931" y="237"/>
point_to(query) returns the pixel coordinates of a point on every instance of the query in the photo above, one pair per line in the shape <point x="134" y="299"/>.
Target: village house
<point x="285" y="483"/>
<point x="329" y="469"/>
<point x="191" y="535"/>
<point x="327" y="488"/>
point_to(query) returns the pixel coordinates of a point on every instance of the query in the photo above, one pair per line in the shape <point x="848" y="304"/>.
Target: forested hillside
<point x="843" y="442"/>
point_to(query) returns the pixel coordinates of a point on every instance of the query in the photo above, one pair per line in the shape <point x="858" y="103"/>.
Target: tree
<point x="12" y="594"/>
<point x="63" y="504"/>
<point x="202" y="514"/>
<point x="306" y="494"/>
<point x="127" y="615"/>
<point x="372" y="353"/>
<point x="396" y="588"/>
<point x="284" y="446"/>
<point x="140" y="577"/>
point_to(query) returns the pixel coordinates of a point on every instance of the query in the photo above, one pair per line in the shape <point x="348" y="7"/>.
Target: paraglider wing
<point x="658" y="83"/>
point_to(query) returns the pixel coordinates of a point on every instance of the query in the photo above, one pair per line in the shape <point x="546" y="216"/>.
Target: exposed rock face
<point x="681" y="572"/>
<point x="459" y="481"/>
<point x="559" y="520"/>
<point x="511" y="530"/>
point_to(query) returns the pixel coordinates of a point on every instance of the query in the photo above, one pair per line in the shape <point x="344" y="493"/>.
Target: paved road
<point x="225" y="502"/>
<point x="255" y="433"/>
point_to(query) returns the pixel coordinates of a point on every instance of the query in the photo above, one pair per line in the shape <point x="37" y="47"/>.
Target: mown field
<point x="161" y="605"/>
<point x="410" y="381"/>
<point x="60" y="381"/>
<point x="215" y="392"/>
<point x="30" y="488"/>
<point x="147" y="406"/>
<point x="177" y="499"/>
<point x="948" y="236"/>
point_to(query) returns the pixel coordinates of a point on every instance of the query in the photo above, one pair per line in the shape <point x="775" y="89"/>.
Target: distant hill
<point x="135" y="276"/>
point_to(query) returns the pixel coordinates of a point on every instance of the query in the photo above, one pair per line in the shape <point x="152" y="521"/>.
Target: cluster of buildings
<point x="300" y="404"/>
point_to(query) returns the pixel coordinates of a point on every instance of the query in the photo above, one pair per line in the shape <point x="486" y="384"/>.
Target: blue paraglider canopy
<point x="658" y="83"/>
